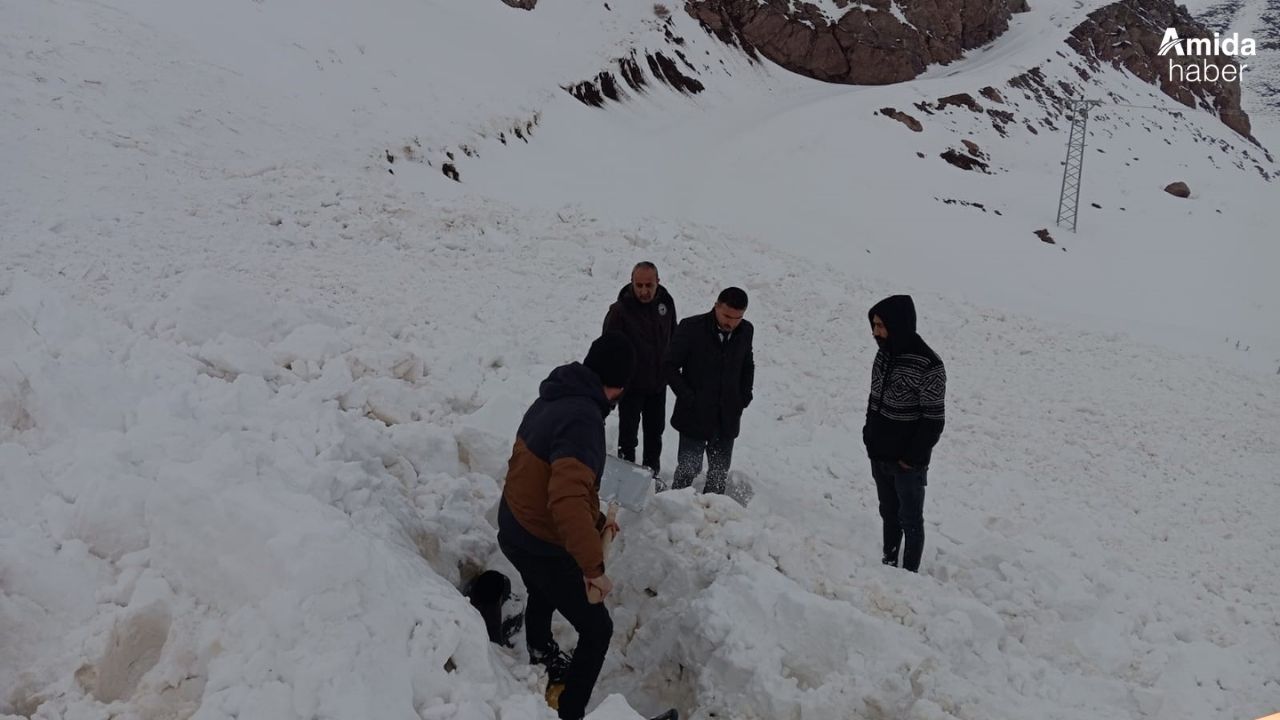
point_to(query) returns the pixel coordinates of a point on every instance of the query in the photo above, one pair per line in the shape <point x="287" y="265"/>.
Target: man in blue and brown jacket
<point x="549" y="520"/>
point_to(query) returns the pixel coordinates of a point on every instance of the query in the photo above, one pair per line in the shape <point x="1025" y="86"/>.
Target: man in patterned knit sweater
<point x="904" y="421"/>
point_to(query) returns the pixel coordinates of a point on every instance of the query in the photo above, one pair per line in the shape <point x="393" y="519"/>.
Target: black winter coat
<point x="712" y="380"/>
<point x="648" y="326"/>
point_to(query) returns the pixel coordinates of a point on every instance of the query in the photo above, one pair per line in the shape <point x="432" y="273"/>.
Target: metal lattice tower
<point x="1069" y="197"/>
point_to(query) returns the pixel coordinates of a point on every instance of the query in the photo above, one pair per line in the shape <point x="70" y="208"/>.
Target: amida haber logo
<point x="1211" y="53"/>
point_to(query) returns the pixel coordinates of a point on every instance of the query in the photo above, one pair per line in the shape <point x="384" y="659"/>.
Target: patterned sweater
<point x="906" y="407"/>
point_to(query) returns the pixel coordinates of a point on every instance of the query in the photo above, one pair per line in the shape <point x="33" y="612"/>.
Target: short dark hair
<point x="644" y="265"/>
<point x="734" y="297"/>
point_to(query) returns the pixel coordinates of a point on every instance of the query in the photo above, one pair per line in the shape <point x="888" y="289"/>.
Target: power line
<point x="1140" y="107"/>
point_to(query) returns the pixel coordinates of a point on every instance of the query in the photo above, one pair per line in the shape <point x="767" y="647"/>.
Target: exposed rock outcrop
<point x="628" y="72"/>
<point x="903" y="118"/>
<point x="874" y="42"/>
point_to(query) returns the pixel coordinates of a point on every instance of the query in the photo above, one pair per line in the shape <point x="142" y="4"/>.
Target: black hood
<point x="898" y="313"/>
<point x="626" y="295"/>
<point x="574" y="380"/>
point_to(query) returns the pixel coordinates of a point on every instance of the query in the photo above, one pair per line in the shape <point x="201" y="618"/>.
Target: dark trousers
<point x="689" y="463"/>
<point x="652" y="407"/>
<point x="555" y="584"/>
<point x="901" y="493"/>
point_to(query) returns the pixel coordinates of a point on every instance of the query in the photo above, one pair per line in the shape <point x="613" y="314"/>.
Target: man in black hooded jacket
<point x="905" y="415"/>
<point x="646" y="314"/>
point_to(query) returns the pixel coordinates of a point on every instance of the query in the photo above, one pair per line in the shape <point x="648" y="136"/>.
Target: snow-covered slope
<point x="813" y="168"/>
<point x="258" y="382"/>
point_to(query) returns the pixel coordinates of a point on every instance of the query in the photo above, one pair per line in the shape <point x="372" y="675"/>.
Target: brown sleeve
<point x="575" y="510"/>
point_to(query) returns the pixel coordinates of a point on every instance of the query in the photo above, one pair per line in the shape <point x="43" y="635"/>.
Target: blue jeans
<point x="901" y="494"/>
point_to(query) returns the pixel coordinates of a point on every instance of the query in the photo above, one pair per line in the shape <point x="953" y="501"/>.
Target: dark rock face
<point x="960" y="100"/>
<point x="964" y="161"/>
<point x="605" y="86"/>
<point x="870" y="44"/>
<point x="903" y="118"/>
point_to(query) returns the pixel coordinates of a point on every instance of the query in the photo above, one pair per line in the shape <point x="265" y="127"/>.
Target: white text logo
<point x="1205" y="48"/>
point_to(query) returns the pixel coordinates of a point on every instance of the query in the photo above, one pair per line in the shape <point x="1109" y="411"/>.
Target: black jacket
<point x="712" y="380"/>
<point x="648" y="326"/>
<point x="905" y="412"/>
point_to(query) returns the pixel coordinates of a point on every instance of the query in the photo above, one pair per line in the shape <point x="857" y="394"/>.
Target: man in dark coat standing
<point x="646" y="314"/>
<point x="549" y="519"/>
<point x="711" y="369"/>
<point x="905" y="415"/>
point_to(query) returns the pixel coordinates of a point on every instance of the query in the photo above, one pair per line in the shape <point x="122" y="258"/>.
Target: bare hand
<point x="598" y="588"/>
<point x="903" y="464"/>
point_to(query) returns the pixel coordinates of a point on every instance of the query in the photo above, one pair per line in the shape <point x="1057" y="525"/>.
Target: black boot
<point x="890" y="558"/>
<point x="555" y="660"/>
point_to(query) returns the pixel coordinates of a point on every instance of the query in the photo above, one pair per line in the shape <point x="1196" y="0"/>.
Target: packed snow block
<point x="208" y="305"/>
<point x="785" y="648"/>
<point x="429" y="448"/>
<point x="448" y="534"/>
<point x="229" y="357"/>
<point x="195" y="509"/>
<point x="671" y="519"/>
<point x="66" y="386"/>
<point x="314" y="343"/>
<point x="385" y="399"/>
<point x="333" y="383"/>
<point x="133" y="649"/>
<point x="398" y="364"/>
<point x="614" y="707"/>
<point x="110" y="515"/>
<point x="486" y="436"/>
<point x="740" y="486"/>
<point x="483" y="451"/>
